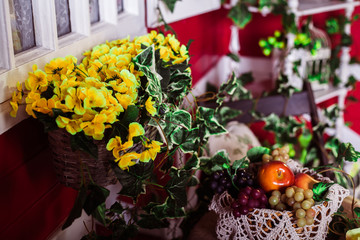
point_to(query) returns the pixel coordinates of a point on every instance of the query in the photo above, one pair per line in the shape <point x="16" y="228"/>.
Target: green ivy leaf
<point x="116" y="208"/>
<point x="234" y="57"/>
<point x="210" y="165"/>
<point x="182" y="117"/>
<point x="152" y="222"/>
<point x="169" y="209"/>
<point x="357" y="211"/>
<point x="96" y="196"/>
<point x="226" y="114"/>
<point x="77" y="207"/>
<point x="170" y="4"/>
<point x="176" y="186"/>
<point x="320" y="190"/>
<point x="347" y="153"/>
<point x="131" y="114"/>
<point x="212" y="126"/>
<point x="194" y="181"/>
<point x="132" y="180"/>
<point x="240" y="14"/>
<point x="99" y="213"/>
<point x="241" y="163"/>
<point x="84" y="143"/>
<point x="255" y="154"/>
<point x="192" y="163"/>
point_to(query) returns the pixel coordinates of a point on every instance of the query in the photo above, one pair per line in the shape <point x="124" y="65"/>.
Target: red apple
<point x="275" y="175"/>
<point x="304" y="181"/>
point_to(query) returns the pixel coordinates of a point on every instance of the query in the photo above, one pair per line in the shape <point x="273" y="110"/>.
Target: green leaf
<point x="357" y="211"/>
<point x="170" y="4"/>
<point x="210" y="165"/>
<point x="99" y="213"/>
<point x="152" y="222"/>
<point x="240" y="163"/>
<point x="182" y="117"/>
<point x="212" y="126"/>
<point x="255" y="154"/>
<point x="191" y="143"/>
<point x="95" y="197"/>
<point x="347" y="153"/>
<point x="132" y="180"/>
<point x="226" y="114"/>
<point x="240" y="15"/>
<point x="234" y="57"/>
<point x="320" y="190"/>
<point x="131" y="114"/>
<point x="176" y="186"/>
<point x="192" y="163"/>
<point x="116" y="208"/>
<point x="169" y="209"/>
<point x="194" y="181"/>
<point x="84" y="143"/>
<point x="77" y="207"/>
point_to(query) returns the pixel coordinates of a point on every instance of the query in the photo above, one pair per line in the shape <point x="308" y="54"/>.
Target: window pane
<point x="120" y="7"/>
<point x="22" y="25"/>
<point x="62" y="17"/>
<point x="94" y="11"/>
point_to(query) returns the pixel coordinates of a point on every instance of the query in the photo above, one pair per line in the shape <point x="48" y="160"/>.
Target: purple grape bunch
<point x="248" y="199"/>
<point x="221" y="181"/>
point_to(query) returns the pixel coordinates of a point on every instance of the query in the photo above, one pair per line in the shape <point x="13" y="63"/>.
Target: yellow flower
<point x="36" y="79"/>
<point x="58" y="66"/>
<point x="124" y="100"/>
<point x="127" y="160"/>
<point x="152" y="149"/>
<point x="41" y="105"/>
<point x="115" y="144"/>
<point x="165" y="54"/>
<point x="149" y="105"/>
<point x="135" y="130"/>
<point x="174" y="43"/>
<point x="94" y="99"/>
<point x="72" y="126"/>
<point x="123" y="60"/>
<point x="96" y="127"/>
<point x="128" y="78"/>
<point x="15" y="108"/>
<point x="73" y="102"/>
<point x="31" y="100"/>
<point x="108" y="59"/>
<point x="99" y="50"/>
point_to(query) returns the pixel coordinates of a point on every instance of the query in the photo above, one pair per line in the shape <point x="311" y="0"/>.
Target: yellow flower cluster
<point x="91" y="95"/>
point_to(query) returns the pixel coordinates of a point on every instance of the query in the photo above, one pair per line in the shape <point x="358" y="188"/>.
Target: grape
<point x="224" y="180"/>
<point x="309" y="220"/>
<point x="306" y="204"/>
<point x="263" y="199"/>
<point x="275" y="152"/>
<point x="301" y="222"/>
<point x="310" y="213"/>
<point x="244" y="210"/>
<point x="296" y="206"/>
<point x="247" y="190"/>
<point x="266" y="158"/>
<point x="298" y="189"/>
<point x="220" y="189"/>
<point x="300" y="213"/>
<point x="276" y="193"/>
<point x="243" y="199"/>
<point x="299" y="196"/>
<point x="255" y="193"/>
<point x="250" y="182"/>
<point x="308" y="193"/>
<point x="213" y="185"/>
<point x="280" y="207"/>
<point x="290" y="192"/>
<point x="253" y="203"/>
<point x="290" y="202"/>
<point x="235" y="205"/>
<point x="237" y="213"/>
<point x="277" y="158"/>
<point x="216" y="175"/>
<point x="312" y="201"/>
<point x="274" y="200"/>
<point x="283" y="198"/>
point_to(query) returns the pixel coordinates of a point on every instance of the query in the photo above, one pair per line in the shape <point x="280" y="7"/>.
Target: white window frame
<point x="15" y="67"/>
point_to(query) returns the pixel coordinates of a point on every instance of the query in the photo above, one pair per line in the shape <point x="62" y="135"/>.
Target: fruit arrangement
<point x="271" y="194"/>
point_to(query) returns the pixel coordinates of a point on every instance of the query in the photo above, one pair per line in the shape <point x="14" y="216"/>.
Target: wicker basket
<point x="68" y="163"/>
<point x="272" y="224"/>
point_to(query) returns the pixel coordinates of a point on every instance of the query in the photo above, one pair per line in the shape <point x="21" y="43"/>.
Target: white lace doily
<point x="271" y="224"/>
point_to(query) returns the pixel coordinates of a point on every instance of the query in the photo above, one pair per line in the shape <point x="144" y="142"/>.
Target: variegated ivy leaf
<point x="169" y="209"/>
<point x="241" y="163"/>
<point x="145" y="61"/>
<point x="240" y="14"/>
<point x="255" y="154"/>
<point x="320" y="190"/>
<point x="192" y="163"/>
<point x="182" y="118"/>
<point x="212" y="126"/>
<point x="215" y="163"/>
<point x="347" y="153"/>
<point x="226" y="114"/>
<point x="177" y="185"/>
<point x="188" y="140"/>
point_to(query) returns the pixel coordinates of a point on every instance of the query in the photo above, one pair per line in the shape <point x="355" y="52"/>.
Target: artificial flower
<point x="149" y="105"/>
<point x="127" y="160"/>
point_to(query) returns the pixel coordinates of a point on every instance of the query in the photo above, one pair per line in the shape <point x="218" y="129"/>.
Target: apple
<point x="275" y="175"/>
<point x="304" y="181"/>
